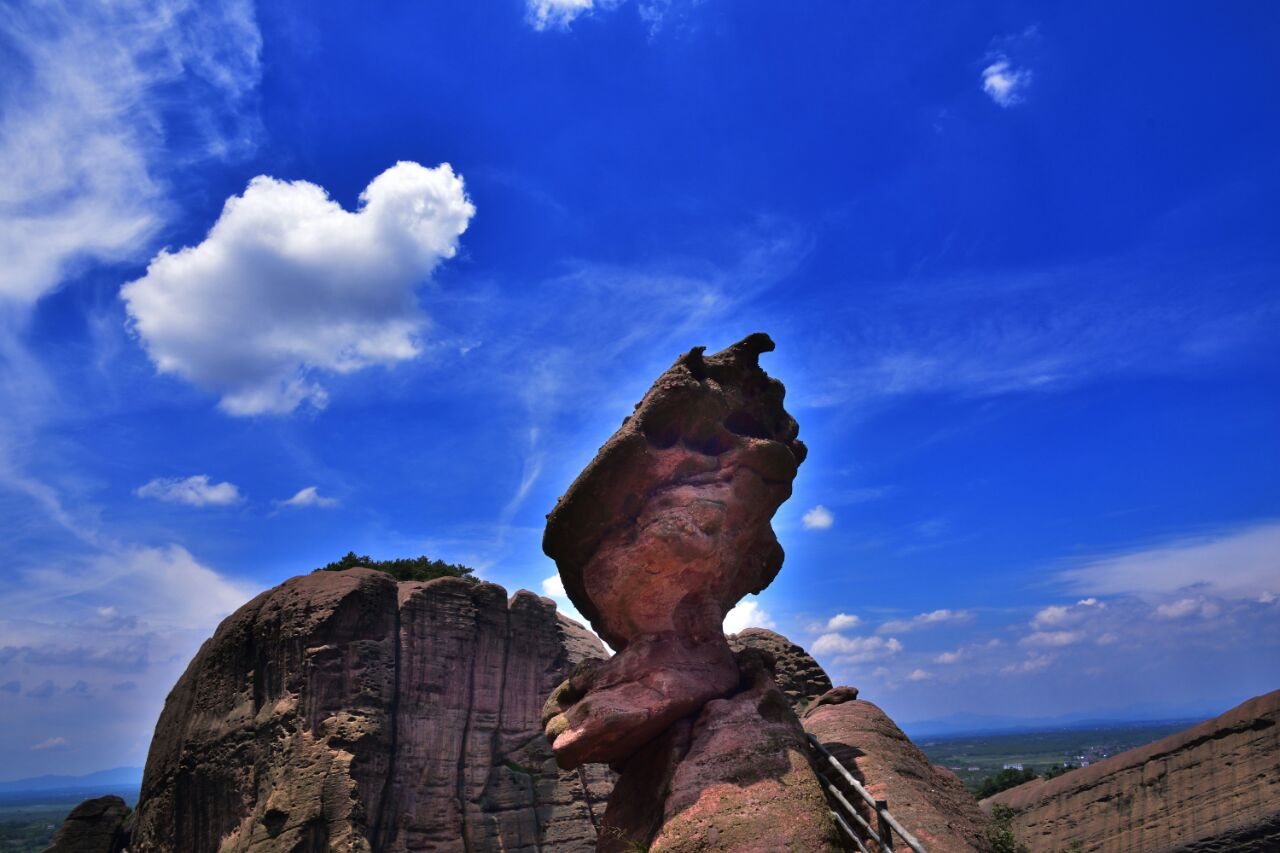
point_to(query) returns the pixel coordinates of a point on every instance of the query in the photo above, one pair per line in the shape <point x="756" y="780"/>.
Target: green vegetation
<point x="1003" y="781"/>
<point x="404" y="569"/>
<point x="1000" y="836"/>
<point x="1058" y="770"/>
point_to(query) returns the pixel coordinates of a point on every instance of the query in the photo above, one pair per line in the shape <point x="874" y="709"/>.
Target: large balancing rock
<point x="344" y="711"/>
<point x="662" y="533"/>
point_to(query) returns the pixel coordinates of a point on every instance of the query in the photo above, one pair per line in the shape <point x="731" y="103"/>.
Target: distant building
<point x="1013" y="767"/>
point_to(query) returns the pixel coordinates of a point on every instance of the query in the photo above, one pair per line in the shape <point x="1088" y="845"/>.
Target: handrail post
<point x="886" y="833"/>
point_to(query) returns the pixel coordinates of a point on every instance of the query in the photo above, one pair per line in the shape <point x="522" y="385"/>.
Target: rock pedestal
<point x="658" y="538"/>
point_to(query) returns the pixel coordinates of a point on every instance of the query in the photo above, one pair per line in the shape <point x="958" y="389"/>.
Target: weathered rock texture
<point x="344" y="711"/>
<point x="1212" y="787"/>
<point x="929" y="801"/>
<point x="94" y="826"/>
<point x="798" y="675"/>
<point x="662" y="533"/>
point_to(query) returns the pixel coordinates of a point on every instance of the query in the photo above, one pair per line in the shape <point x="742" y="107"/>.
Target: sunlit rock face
<point x="660" y="536"/>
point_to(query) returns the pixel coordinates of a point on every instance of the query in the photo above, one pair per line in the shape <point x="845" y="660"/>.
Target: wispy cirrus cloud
<point x="1233" y="563"/>
<point x="87" y="95"/>
<point x="309" y="497"/>
<point x="934" y="617"/>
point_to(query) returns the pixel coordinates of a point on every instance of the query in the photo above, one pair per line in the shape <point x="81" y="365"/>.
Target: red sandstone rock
<point x="662" y="533"/>
<point x="930" y="801"/>
<point x="1212" y="787"/>
<point x="342" y="710"/>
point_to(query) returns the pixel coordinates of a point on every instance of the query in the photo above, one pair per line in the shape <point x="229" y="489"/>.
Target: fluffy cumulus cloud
<point x="1053" y="638"/>
<point x="310" y="497"/>
<point x="288" y="284"/>
<point x="88" y="92"/>
<point x="935" y="617"/>
<point x="855" y="649"/>
<point x="842" y="622"/>
<point x="747" y="614"/>
<point x="196" y="490"/>
<point x="818" y="518"/>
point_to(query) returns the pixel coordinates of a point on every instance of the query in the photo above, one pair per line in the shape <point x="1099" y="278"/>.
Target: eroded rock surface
<point x="344" y="711"/>
<point x="662" y="533"/>
<point x="94" y="826"/>
<point x="658" y="538"/>
<point x="1212" y="787"/>
<point x="800" y="678"/>
<point x="930" y="801"/>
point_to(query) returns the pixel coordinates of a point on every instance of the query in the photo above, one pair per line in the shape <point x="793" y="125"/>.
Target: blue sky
<point x="281" y="282"/>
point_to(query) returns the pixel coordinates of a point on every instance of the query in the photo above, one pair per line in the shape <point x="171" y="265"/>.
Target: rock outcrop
<point x="800" y="678"/>
<point x="342" y="710"/>
<point x="928" y="800"/>
<point x="94" y="826"/>
<point x="1212" y="787"/>
<point x="658" y="538"/>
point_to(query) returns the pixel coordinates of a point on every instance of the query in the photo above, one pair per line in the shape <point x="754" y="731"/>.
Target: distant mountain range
<point x="117" y="777"/>
<point x="967" y="723"/>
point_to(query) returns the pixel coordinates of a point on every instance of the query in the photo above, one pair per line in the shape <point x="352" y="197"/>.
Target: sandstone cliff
<point x="1212" y="787"/>
<point x="930" y="801"/>
<point x="342" y="710"/>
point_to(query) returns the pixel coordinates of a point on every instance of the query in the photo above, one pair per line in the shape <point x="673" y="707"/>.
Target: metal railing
<point x="886" y="823"/>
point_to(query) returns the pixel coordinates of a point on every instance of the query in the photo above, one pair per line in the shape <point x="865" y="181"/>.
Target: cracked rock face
<point x="662" y="533"/>
<point x="344" y="711"/>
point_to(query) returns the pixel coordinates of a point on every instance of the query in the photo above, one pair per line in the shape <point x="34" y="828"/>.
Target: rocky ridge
<point x="1212" y="787"/>
<point x="332" y="712"/>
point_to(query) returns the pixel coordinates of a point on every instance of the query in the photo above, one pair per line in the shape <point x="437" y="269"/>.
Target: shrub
<point x="403" y="569"/>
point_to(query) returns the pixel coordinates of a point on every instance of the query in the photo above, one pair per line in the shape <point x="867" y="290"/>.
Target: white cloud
<point x="919" y="675"/>
<point x="1053" y="638"/>
<point x="288" y="283"/>
<point x="193" y="491"/>
<point x="1005" y="84"/>
<point x="87" y="98"/>
<point x="1240" y="564"/>
<point x="1185" y="607"/>
<point x="553" y="587"/>
<point x="52" y="743"/>
<point x="856" y="649"/>
<point x="1055" y="615"/>
<point x="310" y="497"/>
<point x="949" y="657"/>
<point x="556" y="14"/>
<point x="936" y="617"/>
<point x="1035" y="663"/>
<point x="842" y="621"/>
<point x="818" y="518"/>
<point x="746" y="614"/>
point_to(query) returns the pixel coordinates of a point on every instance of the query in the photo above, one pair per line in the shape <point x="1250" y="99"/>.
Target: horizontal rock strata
<point x="342" y="710"/>
<point x="1212" y="787"/>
